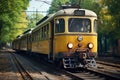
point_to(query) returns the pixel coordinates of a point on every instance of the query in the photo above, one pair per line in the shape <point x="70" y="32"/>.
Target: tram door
<point x="51" y="41"/>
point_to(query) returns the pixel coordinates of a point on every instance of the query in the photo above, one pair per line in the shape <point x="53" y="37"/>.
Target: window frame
<point x="63" y="27"/>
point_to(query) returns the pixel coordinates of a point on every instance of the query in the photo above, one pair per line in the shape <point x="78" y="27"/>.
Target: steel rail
<point x="24" y="73"/>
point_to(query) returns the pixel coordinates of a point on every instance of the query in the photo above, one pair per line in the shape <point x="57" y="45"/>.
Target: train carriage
<point x="25" y="41"/>
<point x="16" y="43"/>
<point x="67" y="37"/>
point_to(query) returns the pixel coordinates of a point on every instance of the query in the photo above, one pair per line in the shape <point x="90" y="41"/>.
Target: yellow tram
<point x="67" y="37"/>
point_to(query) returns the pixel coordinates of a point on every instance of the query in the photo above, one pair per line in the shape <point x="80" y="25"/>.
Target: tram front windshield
<point x="79" y="25"/>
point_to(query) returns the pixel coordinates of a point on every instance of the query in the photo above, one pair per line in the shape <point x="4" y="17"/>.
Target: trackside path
<point x="8" y="70"/>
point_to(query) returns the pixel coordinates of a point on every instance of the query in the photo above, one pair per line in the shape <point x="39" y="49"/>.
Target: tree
<point x="33" y="19"/>
<point x="56" y="5"/>
<point x="114" y="10"/>
<point x="11" y="14"/>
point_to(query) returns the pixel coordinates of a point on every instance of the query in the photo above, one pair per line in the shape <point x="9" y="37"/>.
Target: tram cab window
<point x="79" y="25"/>
<point x="59" y="25"/>
<point x="95" y="25"/>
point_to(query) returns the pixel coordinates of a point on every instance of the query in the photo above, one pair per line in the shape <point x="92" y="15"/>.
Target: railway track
<point x="24" y="73"/>
<point x="78" y="74"/>
<point x="105" y="75"/>
<point x="86" y="74"/>
<point x="27" y="70"/>
<point x="109" y="64"/>
<point x="109" y="72"/>
<point x="36" y="70"/>
<point x="90" y="74"/>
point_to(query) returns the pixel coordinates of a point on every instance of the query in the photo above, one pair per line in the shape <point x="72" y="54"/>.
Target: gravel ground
<point x="8" y="70"/>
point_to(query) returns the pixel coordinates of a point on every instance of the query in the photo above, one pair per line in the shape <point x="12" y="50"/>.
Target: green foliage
<point x="33" y="19"/>
<point x="113" y="8"/>
<point x="56" y="5"/>
<point x="11" y="14"/>
<point x="86" y="4"/>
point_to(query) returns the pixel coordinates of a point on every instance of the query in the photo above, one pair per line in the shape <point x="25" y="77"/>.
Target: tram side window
<point x="47" y="30"/>
<point x="35" y="37"/>
<point x="24" y="40"/>
<point x="32" y="38"/>
<point x="95" y="26"/>
<point x="42" y="33"/>
<point x="38" y="35"/>
<point x="29" y="38"/>
<point x="59" y="26"/>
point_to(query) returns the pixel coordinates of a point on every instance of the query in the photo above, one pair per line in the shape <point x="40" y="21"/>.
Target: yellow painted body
<point x="41" y="46"/>
<point x="60" y="43"/>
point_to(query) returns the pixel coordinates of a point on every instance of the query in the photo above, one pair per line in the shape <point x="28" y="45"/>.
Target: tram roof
<point x="70" y="11"/>
<point x="65" y="12"/>
<point x="28" y="31"/>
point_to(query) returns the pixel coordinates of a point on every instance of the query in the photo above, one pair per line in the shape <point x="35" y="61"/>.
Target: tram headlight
<point x="70" y="45"/>
<point x="90" y="45"/>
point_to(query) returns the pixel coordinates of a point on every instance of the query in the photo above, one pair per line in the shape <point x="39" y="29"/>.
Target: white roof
<point x="69" y="11"/>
